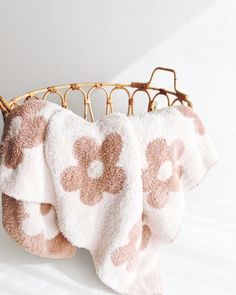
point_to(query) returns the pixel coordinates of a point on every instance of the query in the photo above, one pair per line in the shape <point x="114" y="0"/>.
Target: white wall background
<point x="44" y="43"/>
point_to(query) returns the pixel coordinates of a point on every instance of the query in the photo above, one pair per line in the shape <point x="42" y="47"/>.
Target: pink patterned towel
<point x="114" y="187"/>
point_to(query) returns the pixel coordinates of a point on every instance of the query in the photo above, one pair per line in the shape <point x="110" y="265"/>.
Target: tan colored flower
<point x="23" y="129"/>
<point x="189" y="113"/>
<point x="34" y="227"/>
<point x="139" y="237"/>
<point x="163" y="172"/>
<point x="96" y="171"/>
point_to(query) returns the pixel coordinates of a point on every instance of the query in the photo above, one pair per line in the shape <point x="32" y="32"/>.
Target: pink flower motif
<point x="139" y="237"/>
<point x="162" y="174"/>
<point x="22" y="129"/>
<point x="189" y="113"/>
<point x="96" y="171"/>
<point x="34" y="227"/>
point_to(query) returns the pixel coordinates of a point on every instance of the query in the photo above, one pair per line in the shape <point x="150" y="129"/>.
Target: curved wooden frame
<point x="131" y="89"/>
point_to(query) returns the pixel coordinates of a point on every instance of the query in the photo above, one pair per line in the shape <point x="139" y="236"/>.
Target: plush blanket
<point x="115" y="186"/>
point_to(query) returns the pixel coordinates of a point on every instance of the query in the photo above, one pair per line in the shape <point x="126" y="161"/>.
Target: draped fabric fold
<point x="115" y="187"/>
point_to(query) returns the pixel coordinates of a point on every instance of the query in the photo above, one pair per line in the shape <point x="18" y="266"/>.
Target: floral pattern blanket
<point x="115" y="186"/>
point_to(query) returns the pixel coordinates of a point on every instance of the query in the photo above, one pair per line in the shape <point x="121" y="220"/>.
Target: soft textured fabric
<point x="114" y="187"/>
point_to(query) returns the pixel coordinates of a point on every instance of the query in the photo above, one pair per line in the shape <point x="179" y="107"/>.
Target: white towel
<point x="114" y="187"/>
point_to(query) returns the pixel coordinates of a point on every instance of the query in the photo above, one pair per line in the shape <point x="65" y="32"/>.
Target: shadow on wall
<point x="47" y="43"/>
<point x="52" y="42"/>
<point x="62" y="41"/>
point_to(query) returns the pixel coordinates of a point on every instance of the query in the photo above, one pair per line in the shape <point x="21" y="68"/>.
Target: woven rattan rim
<point x="86" y="89"/>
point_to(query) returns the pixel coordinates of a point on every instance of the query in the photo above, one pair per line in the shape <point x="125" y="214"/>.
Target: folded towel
<point x="114" y="187"/>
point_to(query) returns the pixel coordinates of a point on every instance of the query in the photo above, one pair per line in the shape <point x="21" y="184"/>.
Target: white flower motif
<point x="37" y="223"/>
